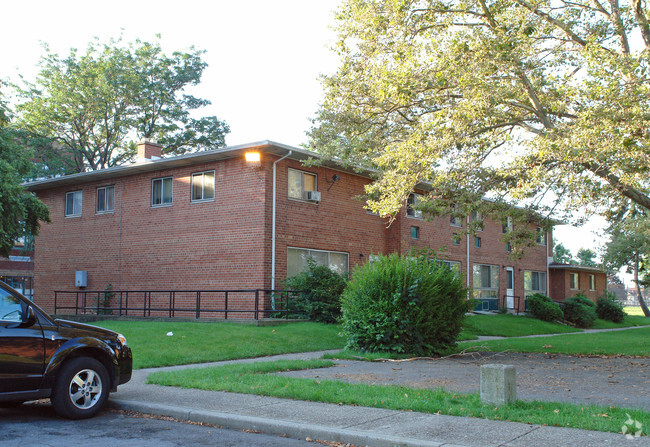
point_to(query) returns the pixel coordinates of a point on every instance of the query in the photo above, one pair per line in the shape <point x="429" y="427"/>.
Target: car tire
<point x="81" y="388"/>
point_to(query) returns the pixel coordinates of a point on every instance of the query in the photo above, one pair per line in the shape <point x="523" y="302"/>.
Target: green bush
<point x="608" y="308"/>
<point x="580" y="311"/>
<point x="414" y="306"/>
<point x="543" y="308"/>
<point x="321" y="293"/>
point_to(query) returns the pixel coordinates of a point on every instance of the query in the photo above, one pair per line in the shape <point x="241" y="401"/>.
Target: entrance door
<point x="510" y="287"/>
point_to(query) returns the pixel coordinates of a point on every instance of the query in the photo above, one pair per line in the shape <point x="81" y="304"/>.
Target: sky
<point x="264" y="58"/>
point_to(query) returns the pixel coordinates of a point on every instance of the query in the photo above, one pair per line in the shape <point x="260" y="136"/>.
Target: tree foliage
<point x="20" y="211"/>
<point x="586" y="257"/>
<point x="91" y="105"/>
<point x="629" y="247"/>
<point x="561" y="254"/>
<point x="520" y="100"/>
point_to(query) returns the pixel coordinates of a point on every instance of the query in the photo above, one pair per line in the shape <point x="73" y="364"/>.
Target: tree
<point x="562" y="255"/>
<point x="586" y="257"/>
<point x="519" y="100"/>
<point x="89" y="106"/>
<point x="20" y="211"/>
<point x="629" y="246"/>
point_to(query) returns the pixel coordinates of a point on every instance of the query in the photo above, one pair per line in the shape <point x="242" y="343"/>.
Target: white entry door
<point x="510" y="287"/>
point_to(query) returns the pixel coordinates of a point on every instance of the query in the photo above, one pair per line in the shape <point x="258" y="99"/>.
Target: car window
<point x="10" y="307"/>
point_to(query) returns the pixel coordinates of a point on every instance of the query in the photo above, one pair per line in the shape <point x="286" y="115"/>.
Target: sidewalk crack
<point x="371" y="420"/>
<point x="520" y="436"/>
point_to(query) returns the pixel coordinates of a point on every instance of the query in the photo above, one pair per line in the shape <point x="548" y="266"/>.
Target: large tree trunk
<point x="646" y="312"/>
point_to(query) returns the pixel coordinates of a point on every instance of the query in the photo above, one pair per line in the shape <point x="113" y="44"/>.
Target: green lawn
<point x="633" y="342"/>
<point x="509" y="326"/>
<point x="209" y="342"/>
<point x="634" y="310"/>
<point x="255" y="378"/>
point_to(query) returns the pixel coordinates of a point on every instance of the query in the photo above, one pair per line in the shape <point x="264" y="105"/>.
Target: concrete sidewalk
<point x="346" y="424"/>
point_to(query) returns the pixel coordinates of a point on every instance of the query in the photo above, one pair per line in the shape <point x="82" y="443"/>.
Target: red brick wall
<point x="210" y="245"/>
<point x="226" y="243"/>
<point x="561" y="281"/>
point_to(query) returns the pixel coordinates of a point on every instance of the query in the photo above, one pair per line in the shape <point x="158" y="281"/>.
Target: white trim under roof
<point x="266" y="146"/>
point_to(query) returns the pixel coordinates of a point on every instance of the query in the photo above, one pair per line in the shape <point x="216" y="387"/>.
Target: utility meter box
<point x="81" y="278"/>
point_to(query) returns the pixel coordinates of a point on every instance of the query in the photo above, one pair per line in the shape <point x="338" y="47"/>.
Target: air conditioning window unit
<point x="312" y="196"/>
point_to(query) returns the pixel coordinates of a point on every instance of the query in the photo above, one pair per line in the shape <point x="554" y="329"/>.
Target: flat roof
<point x="583" y="268"/>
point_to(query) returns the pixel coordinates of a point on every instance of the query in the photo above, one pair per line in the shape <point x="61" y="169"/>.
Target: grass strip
<point x="632" y="342"/>
<point x="257" y="378"/>
<point x="510" y="326"/>
<point x="211" y="342"/>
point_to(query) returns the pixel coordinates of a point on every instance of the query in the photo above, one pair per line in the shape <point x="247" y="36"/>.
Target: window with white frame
<point x="455" y="239"/>
<point x="412" y="205"/>
<point x="592" y="282"/>
<point x="574" y="281"/>
<point x="300" y="182"/>
<point x="452" y="265"/>
<point x="477" y="217"/>
<point x="534" y="282"/>
<point x="507" y="225"/>
<point x="161" y="191"/>
<point x="541" y="236"/>
<point x="455" y="220"/>
<point x="203" y="186"/>
<point x="297" y="260"/>
<point x="105" y="199"/>
<point x="486" y="281"/>
<point x="73" y="204"/>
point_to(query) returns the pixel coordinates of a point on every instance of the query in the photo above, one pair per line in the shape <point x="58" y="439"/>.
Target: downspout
<point x="470" y="293"/>
<point x="273" y="230"/>
<point x="549" y="259"/>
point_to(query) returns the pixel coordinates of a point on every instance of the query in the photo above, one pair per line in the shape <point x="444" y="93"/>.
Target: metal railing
<point x="235" y="303"/>
<point x="516" y="301"/>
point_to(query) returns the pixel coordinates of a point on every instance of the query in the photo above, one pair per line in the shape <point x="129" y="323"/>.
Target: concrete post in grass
<point x="498" y="384"/>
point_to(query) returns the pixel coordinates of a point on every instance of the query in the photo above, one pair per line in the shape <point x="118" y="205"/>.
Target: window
<point x="297" y="260"/>
<point x="574" y="281"/>
<point x="105" y="199"/>
<point x="541" y="236"/>
<point x="73" y="204"/>
<point x="161" y="194"/>
<point x="11" y="308"/>
<point x="412" y="204"/>
<point x="507" y="225"/>
<point x="455" y="239"/>
<point x="477" y="217"/>
<point x="534" y="282"/>
<point x="300" y="182"/>
<point x="453" y="265"/>
<point x="477" y="242"/>
<point x="508" y="247"/>
<point x="455" y="220"/>
<point x="592" y="282"/>
<point x="203" y="186"/>
<point x="486" y="281"/>
<point x="415" y="232"/>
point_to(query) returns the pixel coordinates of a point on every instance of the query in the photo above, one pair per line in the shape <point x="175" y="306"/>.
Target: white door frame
<point x="510" y="291"/>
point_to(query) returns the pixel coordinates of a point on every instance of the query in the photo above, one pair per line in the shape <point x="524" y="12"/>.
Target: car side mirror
<point x="29" y="317"/>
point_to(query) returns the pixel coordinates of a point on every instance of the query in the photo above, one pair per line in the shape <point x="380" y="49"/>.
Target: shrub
<point x="608" y="308"/>
<point x="406" y="305"/>
<point x="543" y="308"/>
<point x="321" y="293"/>
<point x="580" y="311"/>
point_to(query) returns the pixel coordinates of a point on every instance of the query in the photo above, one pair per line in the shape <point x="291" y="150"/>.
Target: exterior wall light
<point x="253" y="159"/>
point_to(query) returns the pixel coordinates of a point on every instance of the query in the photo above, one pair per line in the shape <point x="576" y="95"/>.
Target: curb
<point x="274" y="427"/>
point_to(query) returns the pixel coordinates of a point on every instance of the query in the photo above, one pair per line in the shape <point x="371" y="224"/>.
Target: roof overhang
<point x="266" y="146"/>
<point x="582" y="268"/>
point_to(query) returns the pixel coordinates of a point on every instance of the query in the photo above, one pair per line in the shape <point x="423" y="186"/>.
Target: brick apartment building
<point x="246" y="217"/>
<point x="567" y="280"/>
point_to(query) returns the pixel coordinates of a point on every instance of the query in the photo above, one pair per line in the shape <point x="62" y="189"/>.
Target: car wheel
<point x="81" y="388"/>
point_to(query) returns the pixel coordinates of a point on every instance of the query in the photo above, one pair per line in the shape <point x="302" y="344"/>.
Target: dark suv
<point x="74" y="364"/>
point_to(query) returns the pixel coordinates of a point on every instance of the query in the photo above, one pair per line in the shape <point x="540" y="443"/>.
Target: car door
<point x="21" y="346"/>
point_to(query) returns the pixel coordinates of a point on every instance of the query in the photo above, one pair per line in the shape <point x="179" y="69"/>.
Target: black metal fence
<point x="239" y="304"/>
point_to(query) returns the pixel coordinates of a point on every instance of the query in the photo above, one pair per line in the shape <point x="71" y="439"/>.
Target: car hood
<point x="97" y="331"/>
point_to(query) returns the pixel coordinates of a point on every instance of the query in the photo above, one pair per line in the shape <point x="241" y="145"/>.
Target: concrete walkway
<point x="584" y="331"/>
<point x="347" y="424"/>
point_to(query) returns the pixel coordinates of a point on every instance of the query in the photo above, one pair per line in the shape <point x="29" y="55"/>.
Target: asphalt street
<point x="38" y="425"/>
